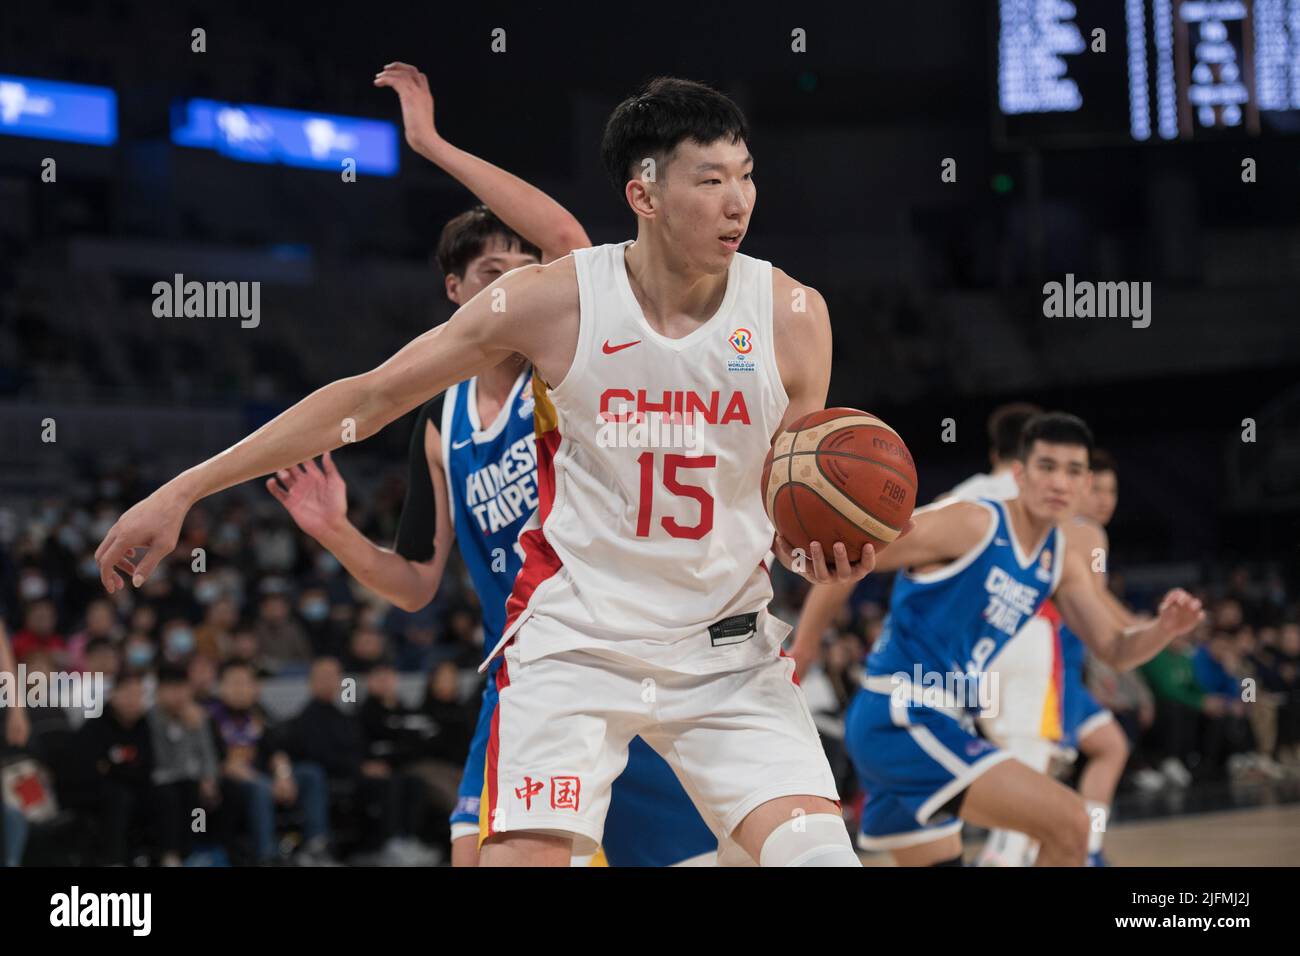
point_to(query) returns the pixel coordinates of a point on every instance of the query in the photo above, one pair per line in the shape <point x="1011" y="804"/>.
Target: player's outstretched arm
<point x="519" y="204"/>
<point x="501" y="320"/>
<point x="1123" y="648"/>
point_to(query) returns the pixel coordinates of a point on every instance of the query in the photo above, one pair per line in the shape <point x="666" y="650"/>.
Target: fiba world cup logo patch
<point x="742" y="340"/>
<point x="1044" y="571"/>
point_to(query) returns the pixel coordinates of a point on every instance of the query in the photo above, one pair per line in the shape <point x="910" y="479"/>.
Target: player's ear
<point x="452" y="284"/>
<point x="642" y="196"/>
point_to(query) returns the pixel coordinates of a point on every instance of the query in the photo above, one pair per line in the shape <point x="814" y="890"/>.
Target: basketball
<point x="839" y="474"/>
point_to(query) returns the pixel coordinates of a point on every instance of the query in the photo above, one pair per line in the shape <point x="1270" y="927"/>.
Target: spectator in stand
<point x="257" y="774"/>
<point x="1286" y="684"/>
<point x="283" y="643"/>
<point x="138" y="652"/>
<point x="101" y="624"/>
<point x="101" y="657"/>
<point x="177" y="642"/>
<point x="1227" y="740"/>
<point x="38" y="632"/>
<point x="212" y="637"/>
<point x="1127" y="696"/>
<point x="202" y="675"/>
<point x="323" y="632"/>
<point x="323" y="734"/>
<point x="1185" y="714"/>
<point x="365" y="650"/>
<point x="185" y="763"/>
<point x="112" y="757"/>
<point x="401" y="736"/>
<point x="144" y="620"/>
<point x="244" y="647"/>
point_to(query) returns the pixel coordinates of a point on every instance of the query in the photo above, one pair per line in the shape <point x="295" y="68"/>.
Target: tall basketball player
<point x="473" y="478"/>
<point x="641" y="607"/>
<point x="974" y="571"/>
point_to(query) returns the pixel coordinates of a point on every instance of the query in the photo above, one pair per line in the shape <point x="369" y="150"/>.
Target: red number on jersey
<point x="671" y="464"/>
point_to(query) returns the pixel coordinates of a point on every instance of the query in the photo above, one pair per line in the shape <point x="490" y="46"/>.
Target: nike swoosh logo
<point x="456" y="445"/>
<point x="611" y="349"/>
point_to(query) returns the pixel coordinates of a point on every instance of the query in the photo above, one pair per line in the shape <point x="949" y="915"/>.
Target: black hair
<point x="662" y="115"/>
<point x="1005" y="424"/>
<point x="238" y="662"/>
<point x="1055" y="428"/>
<point x="1102" y="460"/>
<point x="172" y="674"/>
<point x="465" y="238"/>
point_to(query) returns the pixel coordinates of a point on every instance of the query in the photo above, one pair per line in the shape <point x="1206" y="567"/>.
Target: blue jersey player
<point x="972" y="572"/>
<point x="473" y="480"/>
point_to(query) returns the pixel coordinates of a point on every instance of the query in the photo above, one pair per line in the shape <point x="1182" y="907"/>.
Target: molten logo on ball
<point x="839" y="475"/>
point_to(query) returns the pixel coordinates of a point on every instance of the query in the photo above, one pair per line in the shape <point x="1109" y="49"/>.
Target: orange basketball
<point x="839" y="475"/>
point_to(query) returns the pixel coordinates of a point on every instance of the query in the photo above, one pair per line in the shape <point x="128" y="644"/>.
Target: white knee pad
<point x="814" y="839"/>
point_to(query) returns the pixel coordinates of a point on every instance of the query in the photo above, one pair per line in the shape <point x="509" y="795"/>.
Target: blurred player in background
<point x="1004" y="426"/>
<point x="473" y="480"/>
<point x="971" y="573"/>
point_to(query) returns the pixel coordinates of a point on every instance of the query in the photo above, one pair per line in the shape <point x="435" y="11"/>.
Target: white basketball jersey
<point x="650" y="534"/>
<point x="1000" y="487"/>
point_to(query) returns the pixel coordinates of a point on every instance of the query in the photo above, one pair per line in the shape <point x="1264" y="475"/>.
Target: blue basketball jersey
<point x="492" y="485"/>
<point x="955" y="620"/>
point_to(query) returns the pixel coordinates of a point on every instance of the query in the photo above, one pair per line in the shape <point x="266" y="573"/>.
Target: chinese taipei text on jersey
<point x="641" y="608"/>
<point x="910" y="729"/>
<point x="492" y="486"/>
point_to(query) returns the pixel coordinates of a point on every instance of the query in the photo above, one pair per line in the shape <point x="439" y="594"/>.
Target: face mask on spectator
<point x="33" y="587"/>
<point x="326" y="563"/>
<point x="70" y="538"/>
<point x="206" y="592"/>
<point x="90" y="568"/>
<point x="315" y="610"/>
<point x="180" y="641"/>
<point x="139" y="655"/>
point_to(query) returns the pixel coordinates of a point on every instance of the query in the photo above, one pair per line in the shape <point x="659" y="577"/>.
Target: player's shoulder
<point x="796" y="303"/>
<point x="1084" y="534"/>
<point x="969" y="519"/>
<point x="540" y="286"/>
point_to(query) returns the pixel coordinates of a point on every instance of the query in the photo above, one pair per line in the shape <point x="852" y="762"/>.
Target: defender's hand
<point x="1179" y="613"/>
<point x="316" y="499"/>
<point x="412" y="88"/>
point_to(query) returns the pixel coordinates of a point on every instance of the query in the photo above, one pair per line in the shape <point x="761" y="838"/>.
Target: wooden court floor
<point x="1256" y="836"/>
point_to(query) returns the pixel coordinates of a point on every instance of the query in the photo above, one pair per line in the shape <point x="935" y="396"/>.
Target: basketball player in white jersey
<point x="641" y="607"/>
<point x="1004" y="424"/>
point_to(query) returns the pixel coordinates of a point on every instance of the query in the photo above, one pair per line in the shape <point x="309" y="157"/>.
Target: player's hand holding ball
<point x="839" y="485"/>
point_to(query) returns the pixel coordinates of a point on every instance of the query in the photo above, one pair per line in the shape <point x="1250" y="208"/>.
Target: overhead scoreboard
<point x="1146" y="70"/>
